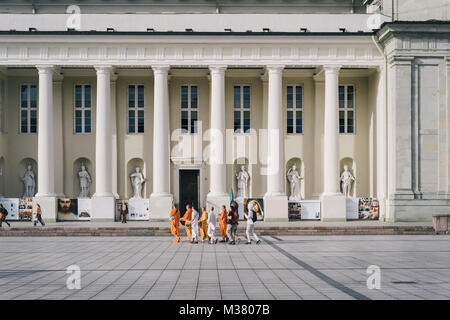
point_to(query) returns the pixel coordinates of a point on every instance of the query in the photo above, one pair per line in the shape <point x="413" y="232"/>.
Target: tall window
<point x="294" y="108"/>
<point x="346" y="109"/>
<point x="189" y="109"/>
<point x="28" y="108"/>
<point x="136" y="109"/>
<point x="83" y="111"/>
<point x="241" y="109"/>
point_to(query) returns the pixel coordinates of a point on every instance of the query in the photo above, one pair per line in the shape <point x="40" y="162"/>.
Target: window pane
<point x="194" y="97"/>
<point x="131" y="96"/>
<point x="247" y="97"/>
<point x="87" y="121"/>
<point x="140" y="96"/>
<point x="246" y="121"/>
<point x="289" y="97"/>
<point x="24" y="121"/>
<point x="299" y="122"/>
<point x="341" y="96"/>
<point x="290" y="122"/>
<point x="237" y="121"/>
<point x="298" y="97"/>
<point x="350" y="96"/>
<point x="350" y="122"/>
<point x="194" y="122"/>
<point x="184" y="97"/>
<point x="33" y="97"/>
<point x="24" y="96"/>
<point x="184" y="121"/>
<point x="341" y="122"/>
<point x="33" y="129"/>
<point x="78" y="97"/>
<point x="33" y="118"/>
<point x="87" y="96"/>
<point x="131" y="122"/>
<point x="237" y="97"/>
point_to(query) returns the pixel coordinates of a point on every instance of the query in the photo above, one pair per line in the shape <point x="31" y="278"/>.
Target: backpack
<point x="254" y="216"/>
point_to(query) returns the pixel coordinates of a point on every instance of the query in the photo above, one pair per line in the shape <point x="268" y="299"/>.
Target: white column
<point x="333" y="203"/>
<point x="103" y="136"/>
<point x="217" y="157"/>
<point x="46" y="153"/>
<point x="275" y="200"/>
<point x="275" y="176"/>
<point x="331" y="141"/>
<point x="161" y="199"/>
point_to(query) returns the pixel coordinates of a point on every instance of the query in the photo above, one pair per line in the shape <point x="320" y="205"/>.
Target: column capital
<point x="45" y="68"/>
<point x="103" y="69"/>
<point x="218" y="68"/>
<point x="332" y="68"/>
<point x="161" y="68"/>
<point x="275" y="68"/>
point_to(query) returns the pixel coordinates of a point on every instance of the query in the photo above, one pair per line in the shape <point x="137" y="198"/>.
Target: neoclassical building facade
<point x="194" y="97"/>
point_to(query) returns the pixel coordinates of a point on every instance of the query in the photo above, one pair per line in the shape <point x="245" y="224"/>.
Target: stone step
<point x="268" y="231"/>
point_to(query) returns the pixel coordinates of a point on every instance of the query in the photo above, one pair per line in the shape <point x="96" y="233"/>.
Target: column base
<point x="104" y="208"/>
<point x="333" y="207"/>
<point x="276" y="208"/>
<point x="49" y="207"/>
<point x="217" y="201"/>
<point x="160" y="206"/>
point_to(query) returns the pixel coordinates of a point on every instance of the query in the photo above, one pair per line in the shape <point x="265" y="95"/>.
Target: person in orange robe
<point x="223" y="223"/>
<point x="175" y="226"/>
<point x="204" y="225"/>
<point x="187" y="221"/>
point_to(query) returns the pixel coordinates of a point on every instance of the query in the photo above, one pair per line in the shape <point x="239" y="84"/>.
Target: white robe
<point x="194" y="225"/>
<point x="211" y="224"/>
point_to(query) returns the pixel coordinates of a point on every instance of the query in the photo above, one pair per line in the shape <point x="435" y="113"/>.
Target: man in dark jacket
<point x="3" y="214"/>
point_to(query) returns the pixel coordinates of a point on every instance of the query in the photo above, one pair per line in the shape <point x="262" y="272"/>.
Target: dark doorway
<point x="189" y="184"/>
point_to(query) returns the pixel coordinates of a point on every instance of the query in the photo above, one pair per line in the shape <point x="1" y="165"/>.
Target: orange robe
<point x="175" y="226"/>
<point x="204" y="225"/>
<point x="223" y="223"/>
<point x="187" y="218"/>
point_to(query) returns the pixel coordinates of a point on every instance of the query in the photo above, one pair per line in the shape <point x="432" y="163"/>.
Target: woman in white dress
<point x="212" y="226"/>
<point x="194" y="225"/>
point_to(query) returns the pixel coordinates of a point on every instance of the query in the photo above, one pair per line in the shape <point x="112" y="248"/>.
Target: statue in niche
<point x="29" y="182"/>
<point x="137" y="180"/>
<point x="346" y="181"/>
<point x="242" y="182"/>
<point x="294" y="182"/>
<point x="85" y="182"/>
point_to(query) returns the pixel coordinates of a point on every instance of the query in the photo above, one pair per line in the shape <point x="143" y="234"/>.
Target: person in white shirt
<point x="212" y="226"/>
<point x="194" y="225"/>
<point x="250" y="224"/>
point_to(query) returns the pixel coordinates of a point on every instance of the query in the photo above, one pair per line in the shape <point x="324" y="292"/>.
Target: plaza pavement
<point x="281" y="267"/>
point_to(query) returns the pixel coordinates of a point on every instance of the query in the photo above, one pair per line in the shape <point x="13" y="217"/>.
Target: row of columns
<point x="161" y="152"/>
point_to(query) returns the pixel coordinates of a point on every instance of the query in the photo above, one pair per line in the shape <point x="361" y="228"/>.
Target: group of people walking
<point x="203" y="227"/>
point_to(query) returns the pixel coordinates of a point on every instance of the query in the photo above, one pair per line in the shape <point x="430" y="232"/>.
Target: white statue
<point x="137" y="180"/>
<point x="29" y="182"/>
<point x="294" y="181"/>
<point x="242" y="183"/>
<point x="347" y="180"/>
<point x="85" y="182"/>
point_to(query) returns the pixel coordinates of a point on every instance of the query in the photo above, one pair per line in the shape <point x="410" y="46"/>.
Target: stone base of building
<point x="217" y="201"/>
<point x="333" y="208"/>
<point x="160" y="206"/>
<point x="49" y="208"/>
<point x="104" y="208"/>
<point x="416" y="210"/>
<point x="276" y="209"/>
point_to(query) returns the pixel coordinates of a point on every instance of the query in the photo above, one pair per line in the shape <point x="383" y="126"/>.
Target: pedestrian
<point x="175" y="225"/>
<point x="236" y="220"/>
<point x="212" y="226"/>
<point x="250" y="215"/>
<point x="3" y="215"/>
<point x="38" y="216"/>
<point x="203" y="225"/>
<point x="232" y="223"/>
<point x="187" y="222"/>
<point x="123" y="211"/>
<point x="223" y="224"/>
<point x="194" y="225"/>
